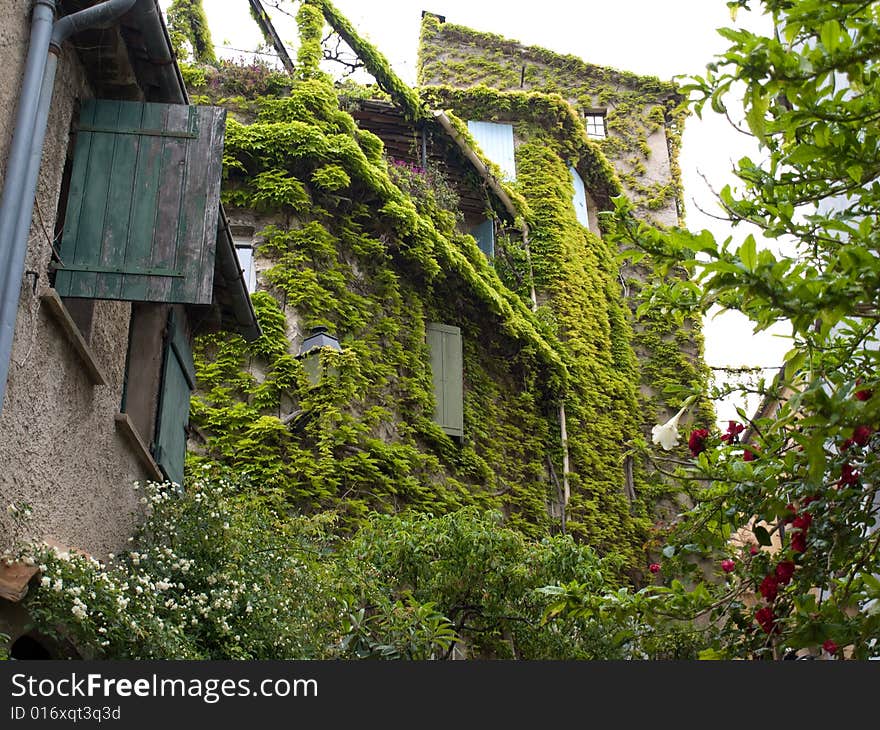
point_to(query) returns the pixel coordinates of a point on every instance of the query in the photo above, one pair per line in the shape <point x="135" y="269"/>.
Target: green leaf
<point x="748" y="253"/>
<point x="762" y="536"/>
<point x="855" y="171"/>
<point x="669" y="551"/>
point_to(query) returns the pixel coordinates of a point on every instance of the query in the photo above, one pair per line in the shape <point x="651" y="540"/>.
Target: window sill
<point x="125" y="426"/>
<point x="71" y="332"/>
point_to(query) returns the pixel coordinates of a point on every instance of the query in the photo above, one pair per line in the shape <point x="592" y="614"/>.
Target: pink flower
<point x="728" y="566"/>
<point x="830" y="647"/>
<point x="654" y="567"/>
<point x="697" y="441"/>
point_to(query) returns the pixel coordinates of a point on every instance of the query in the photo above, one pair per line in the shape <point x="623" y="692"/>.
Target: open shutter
<point x="444" y="342"/>
<point x="496" y="141"/>
<point x="580" y="198"/>
<point x="141" y="222"/>
<point x="178" y="381"/>
<point x="485" y="235"/>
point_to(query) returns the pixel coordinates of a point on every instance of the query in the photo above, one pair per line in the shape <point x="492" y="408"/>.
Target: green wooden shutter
<point x="485" y="235"/>
<point x="178" y="381"/>
<point x="141" y="222"/>
<point x="444" y="342"/>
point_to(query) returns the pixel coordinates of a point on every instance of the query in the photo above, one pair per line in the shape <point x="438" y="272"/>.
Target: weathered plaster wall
<point x="59" y="449"/>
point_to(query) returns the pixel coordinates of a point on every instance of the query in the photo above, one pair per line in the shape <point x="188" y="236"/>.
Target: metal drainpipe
<point x="11" y="253"/>
<point x="21" y="180"/>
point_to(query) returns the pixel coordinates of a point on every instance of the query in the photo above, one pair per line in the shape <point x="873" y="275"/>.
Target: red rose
<point x="799" y="542"/>
<point x="769" y="588"/>
<point x="830" y="647"/>
<point x="654" y="567"/>
<point x="862" y="434"/>
<point x="846" y="444"/>
<point x="697" y="441"/>
<point x="849" y="475"/>
<point x="802" y="522"/>
<point x="753" y="550"/>
<point x="765" y="618"/>
<point x="749" y="455"/>
<point x="728" y="565"/>
<point x="864" y="394"/>
<point x="784" y="571"/>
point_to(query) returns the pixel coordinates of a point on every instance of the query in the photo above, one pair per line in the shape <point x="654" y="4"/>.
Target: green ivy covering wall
<point x="637" y="106"/>
<point x="371" y="251"/>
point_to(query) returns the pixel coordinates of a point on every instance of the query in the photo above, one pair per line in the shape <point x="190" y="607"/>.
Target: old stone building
<point x="121" y="256"/>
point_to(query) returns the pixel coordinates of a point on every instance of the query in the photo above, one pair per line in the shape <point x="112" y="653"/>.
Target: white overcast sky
<point x="649" y="37"/>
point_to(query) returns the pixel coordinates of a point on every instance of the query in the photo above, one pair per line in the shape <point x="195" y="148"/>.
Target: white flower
<point x="11" y="509"/>
<point x="666" y="434"/>
<point x="45" y="581"/>
<point x="58" y="585"/>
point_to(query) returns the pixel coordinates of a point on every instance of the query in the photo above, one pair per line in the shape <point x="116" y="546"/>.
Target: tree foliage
<point x="802" y="497"/>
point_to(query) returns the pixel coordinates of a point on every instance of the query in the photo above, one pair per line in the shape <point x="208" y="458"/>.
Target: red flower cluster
<point x="697" y="441"/>
<point x="734" y="429"/>
<point x="784" y="571"/>
<point x="864" y="393"/>
<point x="801" y="523"/>
<point x="728" y="566"/>
<point x="749" y="455"/>
<point x="849" y="476"/>
<point x="830" y="647"/>
<point x="862" y="434"/>
<point x="654" y="567"/>
<point x="766" y="620"/>
<point x="769" y="588"/>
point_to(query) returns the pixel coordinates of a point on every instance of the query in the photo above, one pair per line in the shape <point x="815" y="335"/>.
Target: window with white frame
<point x="244" y="249"/>
<point x="595" y="123"/>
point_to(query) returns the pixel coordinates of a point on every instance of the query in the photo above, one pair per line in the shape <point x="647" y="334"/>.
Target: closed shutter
<point x="496" y="141"/>
<point x="580" y="198"/>
<point x="141" y="220"/>
<point x="444" y="342"/>
<point x="178" y="381"/>
<point x="485" y="235"/>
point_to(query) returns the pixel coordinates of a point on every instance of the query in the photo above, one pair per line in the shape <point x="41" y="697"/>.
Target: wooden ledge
<point x="127" y="428"/>
<point x="59" y="312"/>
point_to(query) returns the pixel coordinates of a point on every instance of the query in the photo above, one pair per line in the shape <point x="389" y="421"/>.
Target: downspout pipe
<point x="12" y="254"/>
<point x="23" y="178"/>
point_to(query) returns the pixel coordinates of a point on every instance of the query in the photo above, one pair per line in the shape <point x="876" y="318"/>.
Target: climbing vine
<point x="189" y="32"/>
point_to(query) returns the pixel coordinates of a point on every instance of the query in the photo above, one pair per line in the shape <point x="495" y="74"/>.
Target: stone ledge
<point x="60" y="314"/>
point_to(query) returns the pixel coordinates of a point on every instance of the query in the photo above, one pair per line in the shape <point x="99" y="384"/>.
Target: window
<point x="595" y="123"/>
<point x="244" y="249"/>
<point x="485" y="235"/>
<point x="496" y="141"/>
<point x="444" y="343"/>
<point x="580" y="198"/>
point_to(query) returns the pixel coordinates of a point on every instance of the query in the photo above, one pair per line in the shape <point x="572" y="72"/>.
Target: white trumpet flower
<point x="666" y="435"/>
